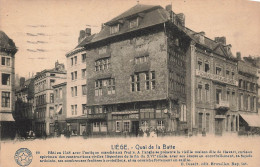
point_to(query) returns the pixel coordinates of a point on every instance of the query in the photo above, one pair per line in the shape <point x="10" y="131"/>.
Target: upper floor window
<point x="83" y="73"/>
<point x="52" y="75"/>
<point x="71" y="61"/>
<point x="6" y="79"/>
<point x="102" y="64"/>
<point x="200" y="65"/>
<point x="52" y="81"/>
<point x="83" y="57"/>
<point x="218" y="70"/>
<point x="111" y="86"/>
<point x="6" y="61"/>
<point x="84" y="89"/>
<point x="207" y="67"/>
<point x="135" y="82"/>
<point x="114" y="29"/>
<point x="133" y="23"/>
<point x="207" y="93"/>
<point x="75" y="60"/>
<point x="98" y="88"/>
<point x="199" y="96"/>
<point x="51" y="98"/>
<point x="60" y="93"/>
<point x="5" y="99"/>
<point x="142" y="59"/>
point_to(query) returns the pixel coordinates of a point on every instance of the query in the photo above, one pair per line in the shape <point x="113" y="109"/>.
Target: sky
<point x="45" y="30"/>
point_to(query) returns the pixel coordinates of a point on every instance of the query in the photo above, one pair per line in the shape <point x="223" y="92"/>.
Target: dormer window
<point x="114" y="29"/>
<point x="133" y="23"/>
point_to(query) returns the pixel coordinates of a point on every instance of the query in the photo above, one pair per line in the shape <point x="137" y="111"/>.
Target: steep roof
<point x="6" y="44"/>
<point x="151" y="15"/>
<point x="134" y="10"/>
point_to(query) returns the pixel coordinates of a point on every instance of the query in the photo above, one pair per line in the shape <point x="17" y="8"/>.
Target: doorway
<point x="218" y="127"/>
<point x="135" y="128"/>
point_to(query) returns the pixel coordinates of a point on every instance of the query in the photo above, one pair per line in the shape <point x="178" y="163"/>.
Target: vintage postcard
<point x="129" y="83"/>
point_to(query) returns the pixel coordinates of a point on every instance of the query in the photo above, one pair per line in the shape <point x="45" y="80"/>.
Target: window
<point x="227" y="73"/>
<point x="83" y="57"/>
<point x="147" y="81"/>
<point x="233" y="75"/>
<point x="126" y="126"/>
<point x="83" y="73"/>
<point x="84" y="89"/>
<point x="207" y="93"/>
<point x="207" y="67"/>
<point x="218" y="70"/>
<point x="199" y="65"/>
<point x="76" y="75"/>
<point x="96" y="126"/>
<point x="233" y="98"/>
<point x="218" y="96"/>
<point x="114" y="29"/>
<point x="152" y="80"/>
<point x="135" y="82"/>
<point x="241" y="101"/>
<point x="142" y="59"/>
<point x="160" y="124"/>
<point x="52" y="81"/>
<point x="6" y="79"/>
<point x="6" y="61"/>
<point x="118" y="126"/>
<point x="75" y="90"/>
<point x="102" y="64"/>
<point x="228" y="96"/>
<point x="72" y="109"/>
<point x="75" y="60"/>
<point x="52" y="75"/>
<point x="144" y="125"/>
<point x="51" y="98"/>
<point x="240" y="83"/>
<point x="6" y="99"/>
<point x="72" y="76"/>
<point x="71" y="61"/>
<point x="60" y="93"/>
<point x="76" y="108"/>
<point x="111" y="86"/>
<point x="199" y="93"/>
<point x="133" y="23"/>
<point x="98" y="88"/>
<point x="72" y="91"/>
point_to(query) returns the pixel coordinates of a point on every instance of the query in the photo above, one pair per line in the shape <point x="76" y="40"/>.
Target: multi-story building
<point x="247" y="96"/>
<point x="23" y="115"/>
<point x="212" y="85"/>
<point x="7" y="72"/>
<point x="76" y="84"/>
<point x="136" y="73"/>
<point x="60" y="107"/>
<point x="44" y="98"/>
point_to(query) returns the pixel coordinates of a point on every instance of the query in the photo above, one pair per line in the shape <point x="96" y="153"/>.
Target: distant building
<point x="248" y="78"/>
<point x="24" y="111"/>
<point x="60" y="106"/>
<point x="7" y="75"/>
<point x="76" y="84"/>
<point x="44" y="98"/>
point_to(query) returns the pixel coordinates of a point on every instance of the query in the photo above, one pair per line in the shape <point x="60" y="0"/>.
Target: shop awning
<point x="6" y="117"/>
<point x="253" y="120"/>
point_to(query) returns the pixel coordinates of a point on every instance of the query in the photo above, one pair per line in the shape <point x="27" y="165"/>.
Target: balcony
<point x="217" y="78"/>
<point x="222" y="105"/>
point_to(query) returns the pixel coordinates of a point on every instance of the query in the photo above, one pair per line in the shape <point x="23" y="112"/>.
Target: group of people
<point x="150" y="132"/>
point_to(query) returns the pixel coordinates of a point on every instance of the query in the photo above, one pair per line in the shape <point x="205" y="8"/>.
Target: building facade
<point x="60" y="107"/>
<point x="44" y="98"/>
<point x="247" y="96"/>
<point x="213" y="93"/>
<point x="24" y="111"/>
<point x="136" y="73"/>
<point x="76" y="85"/>
<point x="7" y="75"/>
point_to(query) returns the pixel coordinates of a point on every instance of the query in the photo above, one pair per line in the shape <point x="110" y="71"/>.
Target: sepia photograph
<point x="129" y="83"/>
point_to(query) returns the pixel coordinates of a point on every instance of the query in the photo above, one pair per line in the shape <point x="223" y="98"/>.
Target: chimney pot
<point x="168" y="8"/>
<point x="238" y="55"/>
<point x="88" y="32"/>
<point x="82" y="35"/>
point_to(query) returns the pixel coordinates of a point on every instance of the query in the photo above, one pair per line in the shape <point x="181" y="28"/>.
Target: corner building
<point x="136" y="73"/>
<point x="7" y="99"/>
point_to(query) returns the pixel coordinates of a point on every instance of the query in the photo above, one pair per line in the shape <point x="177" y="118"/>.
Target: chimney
<point x="168" y="8"/>
<point x="22" y="81"/>
<point x="82" y="35"/>
<point x="88" y="32"/>
<point x="238" y="55"/>
<point x="102" y="26"/>
<point x="221" y="40"/>
<point x="181" y="16"/>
